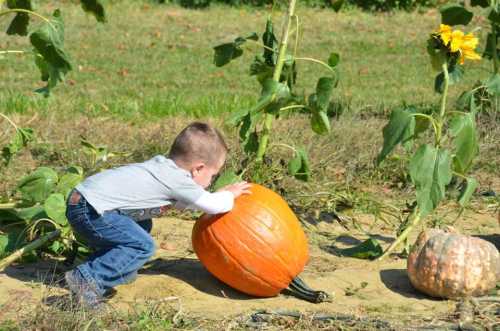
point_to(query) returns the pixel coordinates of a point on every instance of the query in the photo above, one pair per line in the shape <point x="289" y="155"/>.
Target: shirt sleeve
<point x="211" y="203"/>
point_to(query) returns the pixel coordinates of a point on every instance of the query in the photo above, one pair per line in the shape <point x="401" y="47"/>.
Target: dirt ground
<point x="358" y="287"/>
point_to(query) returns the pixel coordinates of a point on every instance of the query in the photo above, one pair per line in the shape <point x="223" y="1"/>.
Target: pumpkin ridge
<point x="214" y="236"/>
<point x="257" y="238"/>
<point x="276" y="216"/>
<point x="440" y="261"/>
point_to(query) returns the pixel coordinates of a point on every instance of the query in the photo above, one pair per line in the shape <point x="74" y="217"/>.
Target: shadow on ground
<point x="397" y="281"/>
<point x="192" y="272"/>
<point x="47" y="272"/>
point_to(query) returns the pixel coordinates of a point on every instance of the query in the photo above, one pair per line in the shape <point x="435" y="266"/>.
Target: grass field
<point x="141" y="77"/>
<point x="153" y="59"/>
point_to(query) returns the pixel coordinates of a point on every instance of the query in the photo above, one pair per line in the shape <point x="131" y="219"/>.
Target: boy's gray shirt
<point x="141" y="190"/>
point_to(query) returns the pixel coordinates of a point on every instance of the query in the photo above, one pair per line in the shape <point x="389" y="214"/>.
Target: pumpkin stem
<point x="299" y="289"/>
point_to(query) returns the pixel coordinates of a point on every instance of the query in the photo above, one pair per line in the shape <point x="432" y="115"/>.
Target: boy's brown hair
<point x="198" y="142"/>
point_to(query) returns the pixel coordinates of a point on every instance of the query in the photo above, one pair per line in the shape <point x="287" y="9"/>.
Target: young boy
<point x="112" y="210"/>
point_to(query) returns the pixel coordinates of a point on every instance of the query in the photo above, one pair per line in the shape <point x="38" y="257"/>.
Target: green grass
<point x="155" y="59"/>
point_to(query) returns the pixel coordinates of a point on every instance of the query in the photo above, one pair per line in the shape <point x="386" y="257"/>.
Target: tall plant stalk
<point x="268" y="121"/>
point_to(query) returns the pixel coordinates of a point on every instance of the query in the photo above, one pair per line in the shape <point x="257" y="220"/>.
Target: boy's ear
<point x="197" y="167"/>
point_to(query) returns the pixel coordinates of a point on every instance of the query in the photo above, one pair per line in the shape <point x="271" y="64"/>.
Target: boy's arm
<point x="210" y="203"/>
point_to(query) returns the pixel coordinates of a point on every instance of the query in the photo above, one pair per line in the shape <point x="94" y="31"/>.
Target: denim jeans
<point x="121" y="245"/>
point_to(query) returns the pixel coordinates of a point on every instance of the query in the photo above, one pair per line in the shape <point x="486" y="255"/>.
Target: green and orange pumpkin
<point x="258" y="247"/>
<point x="451" y="265"/>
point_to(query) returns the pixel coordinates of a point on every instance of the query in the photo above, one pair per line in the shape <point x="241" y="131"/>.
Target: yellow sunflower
<point x="457" y="41"/>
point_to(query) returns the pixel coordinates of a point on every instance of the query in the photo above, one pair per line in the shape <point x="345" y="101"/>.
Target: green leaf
<point x="31" y="213"/>
<point x="368" y="249"/>
<point x="224" y="53"/>
<point x="270" y="41"/>
<point x="337" y="5"/>
<point x="37" y="186"/>
<point x="67" y="182"/>
<point x="455" y="72"/>
<point x="4" y="241"/>
<point x="14" y="239"/>
<point x="95" y="8"/>
<point x="8" y="216"/>
<point x="251" y="144"/>
<point x="494" y="16"/>
<point x="465" y="99"/>
<point x="463" y="129"/>
<point x="320" y="123"/>
<point x="236" y="117"/>
<point x="226" y="178"/>
<point x="299" y="165"/>
<point x="482" y="3"/>
<point x="20" y="22"/>
<point x="333" y="60"/>
<point x="55" y="247"/>
<point x="493" y="85"/>
<point x="489" y="48"/>
<point x="454" y="14"/>
<point x="324" y="90"/>
<point x="21" y="139"/>
<point x="55" y="207"/>
<point x="468" y="189"/>
<point x="401" y="125"/>
<point x="261" y="69"/>
<point x="430" y="171"/>
<point x="48" y="41"/>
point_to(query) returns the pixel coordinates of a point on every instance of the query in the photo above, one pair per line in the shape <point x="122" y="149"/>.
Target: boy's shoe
<point x="85" y="292"/>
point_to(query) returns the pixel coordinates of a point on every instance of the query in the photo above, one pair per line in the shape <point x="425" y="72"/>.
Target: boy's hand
<point x="237" y="188"/>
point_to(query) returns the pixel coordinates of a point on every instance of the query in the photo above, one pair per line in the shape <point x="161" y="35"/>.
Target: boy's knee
<point x="148" y="246"/>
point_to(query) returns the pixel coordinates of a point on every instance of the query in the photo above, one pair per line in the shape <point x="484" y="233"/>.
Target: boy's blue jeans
<point x="121" y="245"/>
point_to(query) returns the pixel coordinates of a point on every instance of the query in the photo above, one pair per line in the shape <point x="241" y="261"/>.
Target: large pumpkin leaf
<point x="455" y="14"/>
<point x="51" y="58"/>
<point x="368" y="249"/>
<point x="14" y="239"/>
<point x="69" y="180"/>
<point x="463" y="129"/>
<point x="96" y="8"/>
<point x="37" y="186"/>
<point x="31" y="213"/>
<point x="20" y="140"/>
<point x="401" y="126"/>
<point x="55" y="207"/>
<point x="8" y="216"/>
<point x="20" y="23"/>
<point x="430" y="171"/>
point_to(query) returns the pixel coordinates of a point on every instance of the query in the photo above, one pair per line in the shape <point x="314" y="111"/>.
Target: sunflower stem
<point x="268" y="121"/>
<point x="442" y="112"/>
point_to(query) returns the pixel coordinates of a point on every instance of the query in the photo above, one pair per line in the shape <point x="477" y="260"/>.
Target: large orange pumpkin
<point x="258" y="247"/>
<point x="451" y="265"/>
